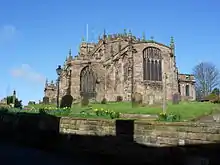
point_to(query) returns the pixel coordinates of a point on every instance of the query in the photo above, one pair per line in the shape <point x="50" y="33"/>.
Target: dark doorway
<point x="87" y="82"/>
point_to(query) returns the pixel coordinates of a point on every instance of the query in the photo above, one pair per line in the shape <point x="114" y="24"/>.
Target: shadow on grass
<point x="41" y="131"/>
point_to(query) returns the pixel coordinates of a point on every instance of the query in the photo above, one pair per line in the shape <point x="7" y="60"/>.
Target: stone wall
<point x="147" y="133"/>
<point x="144" y="141"/>
<point x="127" y="139"/>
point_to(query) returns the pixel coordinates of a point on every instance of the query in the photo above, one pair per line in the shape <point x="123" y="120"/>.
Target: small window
<point x="187" y="90"/>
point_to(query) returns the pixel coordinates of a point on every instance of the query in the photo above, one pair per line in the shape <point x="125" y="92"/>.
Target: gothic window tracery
<point x="87" y="82"/>
<point x="152" y="69"/>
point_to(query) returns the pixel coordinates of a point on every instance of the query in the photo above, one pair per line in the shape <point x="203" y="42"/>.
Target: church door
<point x="87" y="82"/>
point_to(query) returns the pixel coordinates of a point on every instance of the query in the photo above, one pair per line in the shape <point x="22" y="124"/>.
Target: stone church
<point x="120" y="65"/>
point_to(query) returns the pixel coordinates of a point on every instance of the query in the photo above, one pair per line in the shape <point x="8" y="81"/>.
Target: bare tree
<point x="207" y="78"/>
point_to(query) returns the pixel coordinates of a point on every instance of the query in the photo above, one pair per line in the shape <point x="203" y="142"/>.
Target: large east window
<point x="152" y="60"/>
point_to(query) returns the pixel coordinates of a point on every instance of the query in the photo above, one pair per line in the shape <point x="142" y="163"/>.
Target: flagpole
<point x="87" y="32"/>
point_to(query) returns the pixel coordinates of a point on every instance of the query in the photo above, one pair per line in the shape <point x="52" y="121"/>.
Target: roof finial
<point x="83" y="39"/>
<point x="70" y="52"/>
<point x="129" y="33"/>
<point x="104" y="34"/>
<point x="143" y="37"/>
<point x="125" y="32"/>
<point x="46" y="83"/>
<point x="172" y="45"/>
<point x="152" y="38"/>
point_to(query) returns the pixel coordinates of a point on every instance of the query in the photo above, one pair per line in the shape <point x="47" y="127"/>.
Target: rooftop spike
<point x="143" y="37"/>
<point x="83" y="39"/>
<point x="172" y="45"/>
<point x="125" y="32"/>
<point x="129" y="33"/>
<point x="104" y="34"/>
<point x="70" y="52"/>
<point x="152" y="38"/>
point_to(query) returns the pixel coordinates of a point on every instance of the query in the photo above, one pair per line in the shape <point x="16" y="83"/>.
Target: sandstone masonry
<point x="119" y="65"/>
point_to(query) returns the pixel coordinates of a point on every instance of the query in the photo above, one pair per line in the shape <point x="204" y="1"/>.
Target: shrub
<point x="104" y="101"/>
<point x="66" y="101"/>
<point x="108" y="113"/>
<point x="4" y="108"/>
<point x="17" y="103"/>
<point x="31" y="103"/>
<point x="215" y="100"/>
<point x="55" y="111"/>
<point x="212" y="96"/>
<point x="169" y="117"/>
<point x="85" y="113"/>
<point x="119" y="99"/>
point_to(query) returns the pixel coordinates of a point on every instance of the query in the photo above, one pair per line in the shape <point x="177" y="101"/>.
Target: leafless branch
<point x="207" y="77"/>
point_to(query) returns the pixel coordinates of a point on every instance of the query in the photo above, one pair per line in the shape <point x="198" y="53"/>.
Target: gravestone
<point x="84" y="101"/>
<point x="46" y="100"/>
<point x="66" y="101"/>
<point x="53" y="101"/>
<point x="137" y="99"/>
<point x="176" y="98"/>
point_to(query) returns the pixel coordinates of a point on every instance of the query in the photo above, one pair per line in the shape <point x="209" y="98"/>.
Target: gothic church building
<point x="119" y="65"/>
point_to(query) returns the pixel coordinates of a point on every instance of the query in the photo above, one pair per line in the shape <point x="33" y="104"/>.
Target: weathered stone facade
<point x="187" y="86"/>
<point x="119" y="65"/>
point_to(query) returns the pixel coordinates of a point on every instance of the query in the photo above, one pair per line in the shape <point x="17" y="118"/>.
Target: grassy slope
<point x="187" y="110"/>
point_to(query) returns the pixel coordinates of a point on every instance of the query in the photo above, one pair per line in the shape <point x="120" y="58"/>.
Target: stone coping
<point x="146" y="122"/>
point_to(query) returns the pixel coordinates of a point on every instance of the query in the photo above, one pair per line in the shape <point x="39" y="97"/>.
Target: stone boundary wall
<point x="125" y="139"/>
<point x="147" y="133"/>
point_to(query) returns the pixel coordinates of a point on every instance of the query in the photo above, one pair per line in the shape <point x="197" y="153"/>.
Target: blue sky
<point x="35" y="35"/>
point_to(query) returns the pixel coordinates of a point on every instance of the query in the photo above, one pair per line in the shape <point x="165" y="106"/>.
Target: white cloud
<point x="7" y="33"/>
<point x="26" y="72"/>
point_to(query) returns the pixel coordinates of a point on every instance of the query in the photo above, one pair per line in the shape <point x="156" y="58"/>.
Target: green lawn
<point x="187" y="110"/>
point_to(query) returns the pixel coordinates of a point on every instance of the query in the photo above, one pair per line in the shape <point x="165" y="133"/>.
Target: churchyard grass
<point x="186" y="110"/>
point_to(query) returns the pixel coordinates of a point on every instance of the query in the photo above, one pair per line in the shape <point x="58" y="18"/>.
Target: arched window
<point x="152" y="69"/>
<point x="187" y="90"/>
<point x="87" y="82"/>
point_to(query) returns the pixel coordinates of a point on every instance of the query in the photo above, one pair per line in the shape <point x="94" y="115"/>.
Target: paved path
<point x="206" y="119"/>
<point x="210" y="118"/>
<point x="14" y="155"/>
